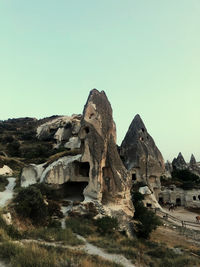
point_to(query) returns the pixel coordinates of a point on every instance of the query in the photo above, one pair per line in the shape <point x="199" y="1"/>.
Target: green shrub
<point x="55" y="234"/>
<point x="147" y="220"/>
<point x="107" y="224"/>
<point x="82" y="227"/>
<point x="10" y="230"/>
<point x="185" y="176"/>
<point x="30" y="204"/>
<point x="9" y="250"/>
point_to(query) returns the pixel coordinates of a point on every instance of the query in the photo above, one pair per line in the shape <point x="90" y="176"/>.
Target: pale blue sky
<point x="145" y="54"/>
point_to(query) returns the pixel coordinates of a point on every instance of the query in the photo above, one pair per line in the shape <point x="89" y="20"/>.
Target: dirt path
<point x="182" y="214"/>
<point x="93" y="250"/>
<point x="88" y="248"/>
<point x="6" y="195"/>
<point x="2" y="264"/>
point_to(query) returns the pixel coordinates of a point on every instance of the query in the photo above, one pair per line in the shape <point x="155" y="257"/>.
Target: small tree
<point x="107" y="224"/>
<point x="30" y="204"/>
<point x="147" y="220"/>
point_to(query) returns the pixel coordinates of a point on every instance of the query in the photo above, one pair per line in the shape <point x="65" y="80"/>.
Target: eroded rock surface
<point x="93" y="164"/>
<point x="179" y="162"/>
<point x="139" y="152"/>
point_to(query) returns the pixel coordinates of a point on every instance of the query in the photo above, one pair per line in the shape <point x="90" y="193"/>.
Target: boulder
<point x="31" y="174"/>
<point x="5" y="170"/>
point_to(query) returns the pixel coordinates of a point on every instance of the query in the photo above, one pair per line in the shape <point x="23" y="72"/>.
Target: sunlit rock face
<point x="60" y="129"/>
<point x="109" y="181"/>
<point x="5" y="170"/>
<point x="92" y="158"/>
<point x="139" y="152"/>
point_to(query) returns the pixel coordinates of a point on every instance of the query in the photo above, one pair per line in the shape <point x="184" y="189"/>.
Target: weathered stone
<point x="7" y="218"/>
<point x="60" y="129"/>
<point x="192" y="161"/>
<point x="97" y="165"/>
<point x="179" y="163"/>
<point x="74" y="142"/>
<point x="179" y="196"/>
<point x="5" y="170"/>
<point x="108" y="179"/>
<point x="140" y="154"/>
<point x="31" y="174"/>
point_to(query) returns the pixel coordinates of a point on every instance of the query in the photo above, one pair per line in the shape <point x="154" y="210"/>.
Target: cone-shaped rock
<point x="179" y="162"/>
<point x="139" y="152"/>
<point x="192" y="160"/>
<point x="108" y="179"/>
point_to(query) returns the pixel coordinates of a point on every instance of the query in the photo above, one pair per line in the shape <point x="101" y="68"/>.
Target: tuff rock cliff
<point x="142" y="158"/>
<point x="139" y="152"/>
<point x="90" y="161"/>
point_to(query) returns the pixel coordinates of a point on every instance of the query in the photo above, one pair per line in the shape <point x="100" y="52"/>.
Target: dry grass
<point x="172" y="238"/>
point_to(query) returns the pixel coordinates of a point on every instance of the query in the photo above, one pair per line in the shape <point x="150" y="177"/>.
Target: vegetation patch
<point x="84" y="227"/>
<point x="54" y="234"/>
<point x="147" y="220"/>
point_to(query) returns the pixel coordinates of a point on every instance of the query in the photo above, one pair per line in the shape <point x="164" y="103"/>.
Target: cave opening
<point x="160" y="201"/>
<point x="74" y="191"/>
<point x="178" y="202"/>
<point x="194" y="198"/>
<point x="134" y="177"/>
<point x="82" y="169"/>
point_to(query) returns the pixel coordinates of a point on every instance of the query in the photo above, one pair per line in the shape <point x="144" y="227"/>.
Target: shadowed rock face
<point x="179" y="163"/>
<point x="139" y="152"/>
<point x="192" y="160"/>
<point x="109" y="180"/>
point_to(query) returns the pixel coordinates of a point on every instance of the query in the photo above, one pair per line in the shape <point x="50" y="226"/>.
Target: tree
<point x="30" y="204"/>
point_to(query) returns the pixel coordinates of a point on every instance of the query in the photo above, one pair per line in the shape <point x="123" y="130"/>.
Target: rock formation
<point x="142" y="158"/>
<point x="179" y="162"/>
<point x="91" y="163"/>
<point x="139" y="152"/>
<point x="192" y="161"/>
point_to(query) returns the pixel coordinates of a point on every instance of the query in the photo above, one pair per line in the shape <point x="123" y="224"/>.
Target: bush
<point x="9" y="250"/>
<point x="30" y="204"/>
<point x="148" y="221"/>
<point x="55" y="234"/>
<point x="82" y="227"/>
<point x="107" y="225"/>
<point x="185" y="176"/>
<point x="9" y="230"/>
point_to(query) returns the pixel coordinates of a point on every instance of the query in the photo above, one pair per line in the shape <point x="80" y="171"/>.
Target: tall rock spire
<point x="138" y="150"/>
<point x="192" y="160"/>
<point x="179" y="162"/>
<point x="108" y="178"/>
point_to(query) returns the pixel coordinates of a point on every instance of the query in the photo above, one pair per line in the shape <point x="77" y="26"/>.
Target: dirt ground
<point x="182" y="214"/>
<point x="172" y="238"/>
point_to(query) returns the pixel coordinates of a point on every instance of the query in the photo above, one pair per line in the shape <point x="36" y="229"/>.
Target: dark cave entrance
<point x="134" y="177"/>
<point x="74" y="190"/>
<point x="160" y="201"/>
<point x="178" y="201"/>
<point x="82" y="168"/>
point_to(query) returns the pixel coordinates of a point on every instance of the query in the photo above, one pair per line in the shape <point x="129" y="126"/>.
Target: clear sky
<point x="145" y="54"/>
